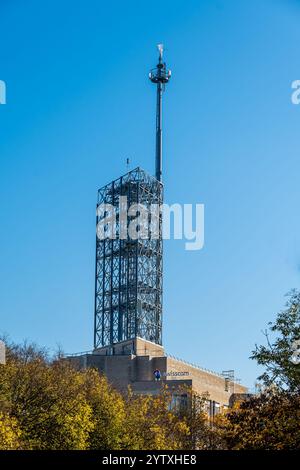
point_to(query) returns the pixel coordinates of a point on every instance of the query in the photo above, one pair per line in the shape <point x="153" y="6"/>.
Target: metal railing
<point x="195" y="366"/>
<point x="78" y="353"/>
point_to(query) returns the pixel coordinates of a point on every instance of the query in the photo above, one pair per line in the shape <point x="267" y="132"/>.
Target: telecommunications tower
<point x="128" y="278"/>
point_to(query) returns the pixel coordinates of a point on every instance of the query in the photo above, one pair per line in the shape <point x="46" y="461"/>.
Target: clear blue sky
<point x="79" y="102"/>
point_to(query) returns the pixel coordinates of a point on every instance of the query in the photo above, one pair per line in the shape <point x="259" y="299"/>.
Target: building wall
<point x="136" y="346"/>
<point x="2" y="352"/>
<point x="204" y="381"/>
<point x="137" y="371"/>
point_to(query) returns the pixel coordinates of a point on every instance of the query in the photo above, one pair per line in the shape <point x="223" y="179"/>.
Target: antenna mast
<point x="160" y="76"/>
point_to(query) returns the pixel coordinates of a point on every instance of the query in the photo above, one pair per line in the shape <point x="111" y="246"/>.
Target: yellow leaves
<point x="48" y="402"/>
<point x="150" y="424"/>
<point x="50" y="405"/>
<point x="265" y="422"/>
<point x="108" y="412"/>
<point x="10" y="433"/>
<point x="77" y="425"/>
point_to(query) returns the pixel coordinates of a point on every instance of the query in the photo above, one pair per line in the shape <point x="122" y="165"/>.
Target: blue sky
<point x="79" y="102"/>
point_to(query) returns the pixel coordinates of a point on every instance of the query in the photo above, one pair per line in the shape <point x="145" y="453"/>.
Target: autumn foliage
<point x="269" y="421"/>
<point x="47" y="404"/>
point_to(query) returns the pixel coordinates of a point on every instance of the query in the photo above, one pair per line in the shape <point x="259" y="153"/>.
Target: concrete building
<point x="138" y="363"/>
<point x="2" y="352"/>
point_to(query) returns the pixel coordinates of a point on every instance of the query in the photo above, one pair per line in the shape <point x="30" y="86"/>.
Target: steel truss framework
<point x="128" y="284"/>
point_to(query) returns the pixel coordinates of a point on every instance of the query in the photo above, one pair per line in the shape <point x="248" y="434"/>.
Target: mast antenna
<point x="160" y="75"/>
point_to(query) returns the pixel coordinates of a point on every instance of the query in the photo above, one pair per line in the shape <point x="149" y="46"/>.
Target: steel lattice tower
<point x="128" y="280"/>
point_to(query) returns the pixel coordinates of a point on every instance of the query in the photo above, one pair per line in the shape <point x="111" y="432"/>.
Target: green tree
<point x="276" y="356"/>
<point x="270" y="420"/>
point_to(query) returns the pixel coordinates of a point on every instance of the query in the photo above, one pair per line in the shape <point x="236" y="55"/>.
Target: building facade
<point x="146" y="368"/>
<point x="2" y="352"/>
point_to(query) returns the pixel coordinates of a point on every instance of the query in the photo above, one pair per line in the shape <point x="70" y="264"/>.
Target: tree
<point x="108" y="412"/>
<point x="47" y="404"/>
<point x="10" y="433"/>
<point x="152" y="424"/>
<point x="269" y="421"/>
<point x="46" y="399"/>
<point x="201" y="434"/>
<point x="276" y="356"/>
